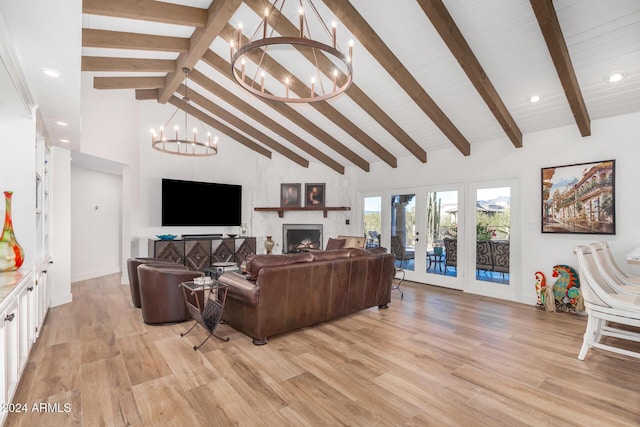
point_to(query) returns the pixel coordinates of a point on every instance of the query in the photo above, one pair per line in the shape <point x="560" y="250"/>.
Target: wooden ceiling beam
<point x="147" y="10"/>
<point x="231" y="133"/>
<point x="455" y="41"/>
<point x="548" y="22"/>
<point x="220" y="12"/>
<point x="128" y="82"/>
<point x="98" y="63"/>
<point x="287" y="29"/>
<point x="223" y="67"/>
<point x="299" y="88"/>
<point x="222" y="93"/>
<point x="146" y="94"/>
<point x="153" y="94"/>
<point x="359" y="27"/>
<point x="122" y="40"/>
<point x="234" y="121"/>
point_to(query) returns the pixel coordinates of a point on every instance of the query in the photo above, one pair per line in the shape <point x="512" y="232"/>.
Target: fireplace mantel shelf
<point x="281" y="210"/>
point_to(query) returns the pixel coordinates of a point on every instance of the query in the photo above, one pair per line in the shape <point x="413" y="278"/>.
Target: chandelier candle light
<point x="326" y="68"/>
<point x="184" y="146"/>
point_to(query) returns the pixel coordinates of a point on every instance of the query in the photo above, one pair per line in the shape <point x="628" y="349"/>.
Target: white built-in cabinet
<point x="23" y="305"/>
<point x="24" y="294"/>
<point x="26" y="171"/>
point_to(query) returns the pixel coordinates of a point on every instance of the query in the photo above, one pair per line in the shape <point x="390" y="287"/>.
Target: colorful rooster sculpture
<point x="566" y="290"/>
<point x="564" y="295"/>
<point x="541" y="284"/>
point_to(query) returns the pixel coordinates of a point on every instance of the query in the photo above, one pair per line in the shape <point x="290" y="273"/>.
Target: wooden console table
<point x="324" y="209"/>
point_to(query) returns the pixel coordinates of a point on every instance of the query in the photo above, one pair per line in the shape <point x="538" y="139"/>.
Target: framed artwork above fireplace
<point x="314" y="195"/>
<point x="290" y="195"/>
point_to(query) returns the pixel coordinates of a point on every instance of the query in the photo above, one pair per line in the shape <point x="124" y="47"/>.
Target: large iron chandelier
<point x="326" y="73"/>
<point x="184" y="145"/>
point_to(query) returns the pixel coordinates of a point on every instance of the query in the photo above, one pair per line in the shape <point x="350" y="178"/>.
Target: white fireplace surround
<point x="297" y="237"/>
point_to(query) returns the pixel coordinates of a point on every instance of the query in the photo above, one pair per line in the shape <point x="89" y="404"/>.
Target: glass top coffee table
<point x="205" y="298"/>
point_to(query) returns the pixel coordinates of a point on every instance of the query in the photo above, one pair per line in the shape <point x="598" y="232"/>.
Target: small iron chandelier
<point x="183" y="146"/>
<point x="328" y="74"/>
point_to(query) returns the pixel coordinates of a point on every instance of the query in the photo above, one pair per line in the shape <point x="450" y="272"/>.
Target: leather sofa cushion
<point x="378" y="250"/>
<point x="331" y="255"/>
<point x="353" y="241"/>
<point x="357" y="252"/>
<point x="255" y="263"/>
<point x="335" y="244"/>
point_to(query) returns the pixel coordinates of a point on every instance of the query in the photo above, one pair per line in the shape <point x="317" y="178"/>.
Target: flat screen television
<point x="190" y="203"/>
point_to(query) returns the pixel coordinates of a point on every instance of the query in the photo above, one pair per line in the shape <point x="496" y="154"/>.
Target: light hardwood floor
<point x="438" y="357"/>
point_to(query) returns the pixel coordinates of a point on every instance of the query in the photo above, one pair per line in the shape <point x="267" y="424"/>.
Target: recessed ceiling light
<point x="535" y="98"/>
<point x="51" y="72"/>
<point x="64" y="140"/>
<point x="59" y="123"/>
<point x="615" y="77"/>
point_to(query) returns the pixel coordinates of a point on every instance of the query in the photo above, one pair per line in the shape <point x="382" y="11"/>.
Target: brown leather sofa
<point x="280" y="293"/>
<point x="132" y="269"/>
<point x="160" y="293"/>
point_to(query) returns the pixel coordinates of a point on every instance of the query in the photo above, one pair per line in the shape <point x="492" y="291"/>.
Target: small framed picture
<point x="290" y="194"/>
<point x="314" y="195"/>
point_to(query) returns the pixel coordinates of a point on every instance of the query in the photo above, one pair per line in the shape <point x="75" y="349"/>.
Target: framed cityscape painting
<point x="579" y="198"/>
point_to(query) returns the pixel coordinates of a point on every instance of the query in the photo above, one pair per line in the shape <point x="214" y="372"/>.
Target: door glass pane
<point x="442" y="232"/>
<point x="403" y="229"/>
<point x="493" y="230"/>
<point x="372" y="220"/>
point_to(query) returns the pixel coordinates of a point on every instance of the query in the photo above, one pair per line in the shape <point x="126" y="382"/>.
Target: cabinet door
<point x="245" y="246"/>
<point x="222" y="250"/>
<point x="172" y="250"/>
<point x="25" y="324"/>
<point x="197" y="254"/>
<point x="41" y="300"/>
<point x="9" y="327"/>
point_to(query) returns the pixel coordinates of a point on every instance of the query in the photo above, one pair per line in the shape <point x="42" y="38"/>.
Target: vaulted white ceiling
<point x="505" y="36"/>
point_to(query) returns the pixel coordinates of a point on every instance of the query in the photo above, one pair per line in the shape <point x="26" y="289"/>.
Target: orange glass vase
<point x="11" y="253"/>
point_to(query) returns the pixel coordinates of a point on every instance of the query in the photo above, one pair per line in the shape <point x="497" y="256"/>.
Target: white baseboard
<point x="92" y="275"/>
<point x="57" y="300"/>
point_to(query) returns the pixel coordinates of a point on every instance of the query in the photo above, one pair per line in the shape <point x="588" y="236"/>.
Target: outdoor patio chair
<point x="450" y="253"/>
<point x="484" y="255"/>
<point x="603" y="305"/>
<point x="398" y="249"/>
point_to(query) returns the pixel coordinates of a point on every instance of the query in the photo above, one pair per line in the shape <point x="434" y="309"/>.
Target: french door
<point x="424" y="231"/>
<point x="494" y="238"/>
<point x="460" y="236"/>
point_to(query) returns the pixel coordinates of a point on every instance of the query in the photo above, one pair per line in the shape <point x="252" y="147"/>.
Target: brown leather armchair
<point x="132" y="268"/>
<point x="160" y="293"/>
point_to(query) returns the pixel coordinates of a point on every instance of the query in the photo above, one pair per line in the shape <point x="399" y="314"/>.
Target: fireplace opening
<point x="298" y="237"/>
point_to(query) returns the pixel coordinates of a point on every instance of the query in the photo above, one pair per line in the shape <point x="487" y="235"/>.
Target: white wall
<point x="17" y="174"/>
<point x="60" y="218"/>
<point x="613" y="138"/>
<point x="96" y="206"/>
<point x="110" y="122"/>
<point x="110" y="129"/>
<point x="259" y="176"/>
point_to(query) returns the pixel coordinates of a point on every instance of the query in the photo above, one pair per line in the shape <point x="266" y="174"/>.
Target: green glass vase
<point x="11" y="253"/>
